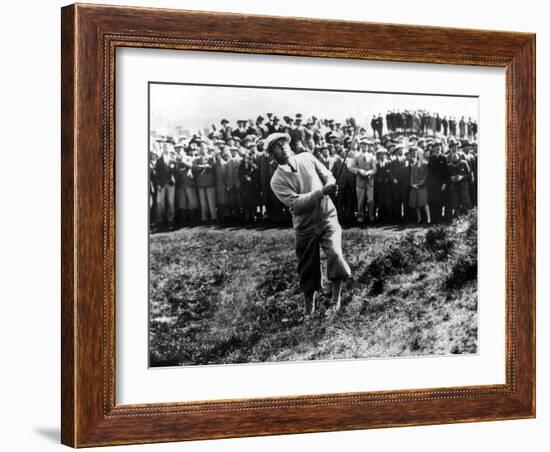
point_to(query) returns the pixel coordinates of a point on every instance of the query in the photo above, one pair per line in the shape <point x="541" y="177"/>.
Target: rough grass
<point x="231" y="296"/>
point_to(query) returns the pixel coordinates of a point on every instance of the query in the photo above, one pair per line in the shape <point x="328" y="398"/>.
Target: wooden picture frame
<point x="90" y="35"/>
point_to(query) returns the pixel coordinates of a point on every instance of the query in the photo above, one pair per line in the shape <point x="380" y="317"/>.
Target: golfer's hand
<point x="330" y="189"/>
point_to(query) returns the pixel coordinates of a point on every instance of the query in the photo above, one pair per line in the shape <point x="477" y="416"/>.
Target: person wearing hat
<point x="400" y="183"/>
<point x="325" y="158"/>
<point x="241" y="131"/>
<point x="260" y="129"/>
<point x="345" y="197"/>
<point x="298" y="135"/>
<point x="304" y="185"/>
<point x="471" y="160"/>
<point x="233" y="185"/>
<point x="183" y="169"/>
<point x="437" y="181"/>
<point x="462" y="128"/>
<point x="221" y="168"/>
<point x="415" y="122"/>
<point x="263" y="161"/>
<point x="363" y="165"/>
<point x="459" y="176"/>
<point x="203" y="171"/>
<point x="249" y="187"/>
<point x="383" y="181"/>
<point x="418" y="196"/>
<point x="226" y="131"/>
<point x="165" y="169"/>
<point x="452" y="126"/>
<point x="274" y="126"/>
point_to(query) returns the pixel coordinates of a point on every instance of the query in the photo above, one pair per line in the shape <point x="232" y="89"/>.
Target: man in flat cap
<point x="261" y="129"/>
<point x="363" y="165"/>
<point x="304" y="185"/>
<point x="226" y="131"/>
<point x="298" y="135"/>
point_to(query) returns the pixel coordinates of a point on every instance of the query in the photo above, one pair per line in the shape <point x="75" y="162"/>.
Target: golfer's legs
<point x="331" y="241"/>
<point x="309" y="263"/>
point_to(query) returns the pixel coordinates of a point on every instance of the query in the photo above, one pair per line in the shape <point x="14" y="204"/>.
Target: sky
<point x="195" y="106"/>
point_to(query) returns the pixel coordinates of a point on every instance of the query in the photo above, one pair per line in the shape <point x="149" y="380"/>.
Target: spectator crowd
<point x="409" y="166"/>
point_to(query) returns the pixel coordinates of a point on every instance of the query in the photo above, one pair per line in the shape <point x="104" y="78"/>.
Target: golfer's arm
<point x="297" y="202"/>
<point x="324" y="173"/>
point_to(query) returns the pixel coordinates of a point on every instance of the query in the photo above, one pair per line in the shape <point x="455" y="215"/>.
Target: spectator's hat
<point x="298" y="115"/>
<point x="276" y="119"/>
<point x="236" y="138"/>
<point x="259" y="118"/>
<point x="179" y="145"/>
<point x="252" y="144"/>
<point x="273" y="138"/>
<point x="399" y="147"/>
<point x="269" y="115"/>
<point x="224" y="121"/>
<point x="413" y="137"/>
<point x="381" y="150"/>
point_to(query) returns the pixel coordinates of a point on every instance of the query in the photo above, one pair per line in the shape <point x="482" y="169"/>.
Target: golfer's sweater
<point x="302" y="192"/>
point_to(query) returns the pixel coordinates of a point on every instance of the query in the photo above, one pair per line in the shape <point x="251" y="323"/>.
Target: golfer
<point x="303" y="184"/>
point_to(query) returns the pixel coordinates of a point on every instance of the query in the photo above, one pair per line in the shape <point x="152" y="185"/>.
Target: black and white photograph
<point x="295" y="224"/>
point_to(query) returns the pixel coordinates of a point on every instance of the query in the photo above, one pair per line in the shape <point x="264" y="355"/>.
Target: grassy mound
<point x="232" y="296"/>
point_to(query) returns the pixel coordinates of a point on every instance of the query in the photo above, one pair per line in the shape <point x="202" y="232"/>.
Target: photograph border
<point x="90" y="35"/>
<point x="280" y="88"/>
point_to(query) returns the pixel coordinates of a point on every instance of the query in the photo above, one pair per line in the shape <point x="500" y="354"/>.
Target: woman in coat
<point x="418" y="197"/>
<point x="459" y="175"/>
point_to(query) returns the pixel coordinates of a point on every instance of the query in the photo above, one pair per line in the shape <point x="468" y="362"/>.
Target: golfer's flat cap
<point x="275" y="137"/>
